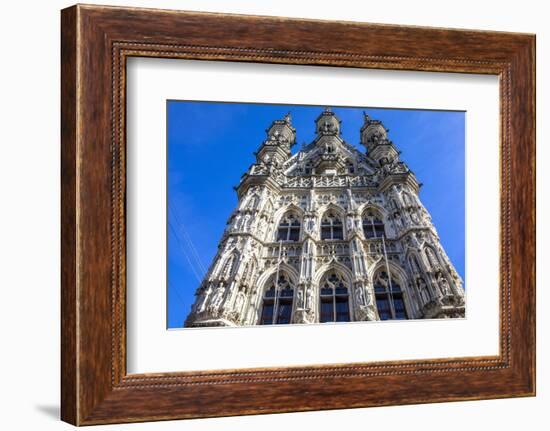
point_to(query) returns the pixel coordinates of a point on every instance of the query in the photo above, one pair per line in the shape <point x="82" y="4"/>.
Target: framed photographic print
<point x="322" y="214"/>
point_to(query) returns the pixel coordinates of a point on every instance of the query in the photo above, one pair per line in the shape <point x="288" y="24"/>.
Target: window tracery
<point x="334" y="299"/>
<point x="331" y="226"/>
<point x="277" y="301"/>
<point x="389" y="297"/>
<point x="373" y="226"/>
<point x="289" y="228"/>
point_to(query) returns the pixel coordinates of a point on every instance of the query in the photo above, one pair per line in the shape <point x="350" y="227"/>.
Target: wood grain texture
<point x="69" y="398"/>
<point x="96" y="41"/>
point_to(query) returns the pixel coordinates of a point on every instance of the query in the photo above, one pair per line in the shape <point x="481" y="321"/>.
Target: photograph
<point x="299" y="214"/>
<point x="304" y="214"/>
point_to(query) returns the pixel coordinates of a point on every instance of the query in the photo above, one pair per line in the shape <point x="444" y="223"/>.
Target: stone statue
<point x="350" y="224"/>
<point x="359" y="296"/>
<point x="239" y="302"/>
<point x="218" y="298"/>
<point x="309" y="298"/>
<point x="444" y="286"/>
<point x="398" y="221"/>
<point x="423" y="290"/>
<point x="300" y="298"/>
<point x="310" y="224"/>
<point x="246" y="222"/>
<point x="200" y="304"/>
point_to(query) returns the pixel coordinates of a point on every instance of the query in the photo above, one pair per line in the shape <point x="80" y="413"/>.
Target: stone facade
<point x="328" y="234"/>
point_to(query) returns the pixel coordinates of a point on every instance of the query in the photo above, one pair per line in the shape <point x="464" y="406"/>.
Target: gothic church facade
<point x="329" y="234"/>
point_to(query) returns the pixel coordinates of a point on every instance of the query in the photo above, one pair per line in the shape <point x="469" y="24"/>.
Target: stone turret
<point x="281" y="136"/>
<point x="329" y="142"/>
<point x="327" y="123"/>
<point x="374" y="136"/>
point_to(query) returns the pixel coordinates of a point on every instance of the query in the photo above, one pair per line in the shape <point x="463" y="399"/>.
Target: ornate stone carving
<point x="327" y="174"/>
<point x="365" y="313"/>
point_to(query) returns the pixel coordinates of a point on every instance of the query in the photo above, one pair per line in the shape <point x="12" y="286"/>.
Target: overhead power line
<point x="182" y="248"/>
<point x="188" y="240"/>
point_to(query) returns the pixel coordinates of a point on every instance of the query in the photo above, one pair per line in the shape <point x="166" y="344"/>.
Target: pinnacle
<point x="288" y="118"/>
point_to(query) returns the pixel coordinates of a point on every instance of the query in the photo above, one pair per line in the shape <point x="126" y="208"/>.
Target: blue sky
<point x="210" y="146"/>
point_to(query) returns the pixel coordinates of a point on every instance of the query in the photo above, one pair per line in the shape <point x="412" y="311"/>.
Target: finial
<point x="366" y="116"/>
<point x="288" y="117"/>
<point x="328" y="109"/>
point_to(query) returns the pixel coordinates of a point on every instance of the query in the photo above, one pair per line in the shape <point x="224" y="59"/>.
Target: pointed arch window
<point x="289" y="228"/>
<point x="331" y="226"/>
<point x="277" y="302"/>
<point x="373" y="226"/>
<point x="389" y="297"/>
<point x="334" y="299"/>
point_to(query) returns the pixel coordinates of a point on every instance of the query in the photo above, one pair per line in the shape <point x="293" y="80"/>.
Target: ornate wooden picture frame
<point x="96" y="41"/>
